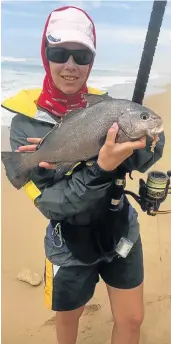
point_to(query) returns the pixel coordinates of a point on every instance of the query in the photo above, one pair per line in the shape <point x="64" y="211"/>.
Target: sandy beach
<point x="24" y="316"/>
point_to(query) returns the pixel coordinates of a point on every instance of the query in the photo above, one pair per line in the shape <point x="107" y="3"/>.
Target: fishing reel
<point x="152" y="193"/>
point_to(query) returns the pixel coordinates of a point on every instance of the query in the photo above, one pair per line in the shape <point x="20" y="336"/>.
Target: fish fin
<point x="70" y="114"/>
<point x="15" y="169"/>
<point x="48" y="134"/>
<point x="93" y="99"/>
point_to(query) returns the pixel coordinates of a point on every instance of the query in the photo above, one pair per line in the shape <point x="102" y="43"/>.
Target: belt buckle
<point x="57" y="233"/>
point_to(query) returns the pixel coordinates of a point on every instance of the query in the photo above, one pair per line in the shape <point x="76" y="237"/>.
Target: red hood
<point x="50" y="91"/>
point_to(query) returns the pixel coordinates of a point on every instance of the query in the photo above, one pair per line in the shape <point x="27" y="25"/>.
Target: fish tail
<point x="17" y="167"/>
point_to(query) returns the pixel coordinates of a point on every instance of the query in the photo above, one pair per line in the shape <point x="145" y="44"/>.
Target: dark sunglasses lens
<point x="61" y="55"/>
<point x="82" y="57"/>
<point x="57" y="55"/>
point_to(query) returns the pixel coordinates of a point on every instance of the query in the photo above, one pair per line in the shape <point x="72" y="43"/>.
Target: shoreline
<point x="126" y="90"/>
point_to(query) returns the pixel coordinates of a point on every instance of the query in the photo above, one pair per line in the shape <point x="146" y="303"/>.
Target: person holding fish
<point x="83" y="236"/>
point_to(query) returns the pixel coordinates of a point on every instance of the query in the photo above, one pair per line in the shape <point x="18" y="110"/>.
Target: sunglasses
<point x="61" y="55"/>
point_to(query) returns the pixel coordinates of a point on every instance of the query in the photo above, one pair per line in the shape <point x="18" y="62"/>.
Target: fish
<point x="81" y="134"/>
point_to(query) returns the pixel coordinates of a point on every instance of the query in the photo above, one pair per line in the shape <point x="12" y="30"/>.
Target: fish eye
<point x="144" y="116"/>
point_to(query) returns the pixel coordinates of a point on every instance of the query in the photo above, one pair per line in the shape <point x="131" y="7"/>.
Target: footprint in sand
<point x="159" y="298"/>
<point x="32" y="278"/>
<point x="90" y="309"/>
<point x="50" y="321"/>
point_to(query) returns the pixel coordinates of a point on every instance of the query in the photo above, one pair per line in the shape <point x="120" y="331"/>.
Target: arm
<point x="68" y="196"/>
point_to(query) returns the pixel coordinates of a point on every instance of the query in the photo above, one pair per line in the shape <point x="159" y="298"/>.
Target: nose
<point x="70" y="64"/>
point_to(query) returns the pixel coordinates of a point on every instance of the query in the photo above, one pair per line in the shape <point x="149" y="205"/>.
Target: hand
<point x="32" y="148"/>
<point x="112" y="154"/>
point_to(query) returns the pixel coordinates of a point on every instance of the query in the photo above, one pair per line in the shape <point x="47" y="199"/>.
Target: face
<point x="69" y="77"/>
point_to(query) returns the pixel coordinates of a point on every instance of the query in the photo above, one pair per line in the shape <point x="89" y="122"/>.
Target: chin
<point x="70" y="90"/>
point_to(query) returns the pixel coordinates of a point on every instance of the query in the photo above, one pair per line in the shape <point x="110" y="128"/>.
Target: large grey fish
<point x="81" y="135"/>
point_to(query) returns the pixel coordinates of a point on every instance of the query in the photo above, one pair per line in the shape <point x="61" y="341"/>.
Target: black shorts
<point x="68" y="288"/>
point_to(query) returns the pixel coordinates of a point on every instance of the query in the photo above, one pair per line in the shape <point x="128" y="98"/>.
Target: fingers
<point x="139" y="144"/>
<point x="111" y="134"/>
<point x="27" y="148"/>
<point x="34" y="140"/>
<point x="47" y="165"/>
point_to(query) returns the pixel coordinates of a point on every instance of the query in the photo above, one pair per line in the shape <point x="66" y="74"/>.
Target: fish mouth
<point x="156" y="130"/>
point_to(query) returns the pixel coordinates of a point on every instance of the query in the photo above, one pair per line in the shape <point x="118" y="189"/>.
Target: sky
<point x="121" y="28"/>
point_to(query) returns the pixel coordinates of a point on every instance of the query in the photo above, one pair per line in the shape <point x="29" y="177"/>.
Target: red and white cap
<point x="71" y="25"/>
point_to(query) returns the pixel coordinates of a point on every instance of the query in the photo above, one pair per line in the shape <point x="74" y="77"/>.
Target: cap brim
<point x="63" y="37"/>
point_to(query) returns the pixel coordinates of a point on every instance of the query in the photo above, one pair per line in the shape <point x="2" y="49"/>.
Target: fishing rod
<point x="155" y="190"/>
<point x="149" y="49"/>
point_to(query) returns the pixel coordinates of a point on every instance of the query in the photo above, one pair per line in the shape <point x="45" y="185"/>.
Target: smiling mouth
<point x="69" y="78"/>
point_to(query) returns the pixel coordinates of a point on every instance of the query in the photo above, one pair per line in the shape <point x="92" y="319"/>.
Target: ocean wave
<point x="13" y="59"/>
